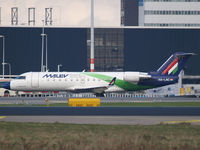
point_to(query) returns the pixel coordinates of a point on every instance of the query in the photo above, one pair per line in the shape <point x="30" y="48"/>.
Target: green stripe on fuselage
<point x="120" y="83"/>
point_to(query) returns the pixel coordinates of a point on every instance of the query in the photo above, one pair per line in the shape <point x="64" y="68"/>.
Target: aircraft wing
<point x="97" y="89"/>
<point x="92" y="89"/>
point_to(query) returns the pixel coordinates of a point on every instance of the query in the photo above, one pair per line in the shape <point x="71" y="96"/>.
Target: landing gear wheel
<point x="100" y="95"/>
<point x="6" y="93"/>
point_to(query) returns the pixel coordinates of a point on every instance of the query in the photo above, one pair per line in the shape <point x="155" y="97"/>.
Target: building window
<point x="14" y="15"/>
<point x="109" y="46"/>
<point x="173" y="24"/>
<point x="48" y="16"/>
<point x="172" y="12"/>
<point x="171" y="0"/>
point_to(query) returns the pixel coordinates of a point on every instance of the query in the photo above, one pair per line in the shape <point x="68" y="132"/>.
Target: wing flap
<point x="92" y="89"/>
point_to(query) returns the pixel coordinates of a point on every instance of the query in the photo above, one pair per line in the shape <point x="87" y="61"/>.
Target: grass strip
<point x="58" y="136"/>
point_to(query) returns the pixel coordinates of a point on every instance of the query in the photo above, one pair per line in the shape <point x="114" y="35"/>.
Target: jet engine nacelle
<point x="131" y="76"/>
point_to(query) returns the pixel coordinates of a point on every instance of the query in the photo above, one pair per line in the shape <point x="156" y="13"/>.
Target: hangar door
<point x="35" y="79"/>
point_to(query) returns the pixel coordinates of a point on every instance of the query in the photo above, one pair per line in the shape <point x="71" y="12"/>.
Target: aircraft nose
<point x="6" y="85"/>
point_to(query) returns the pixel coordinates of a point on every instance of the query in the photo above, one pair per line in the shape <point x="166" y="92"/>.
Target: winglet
<point x="112" y="82"/>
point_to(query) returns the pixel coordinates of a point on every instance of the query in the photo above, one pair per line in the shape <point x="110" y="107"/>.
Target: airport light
<point x="3" y="63"/>
<point x="59" y="67"/>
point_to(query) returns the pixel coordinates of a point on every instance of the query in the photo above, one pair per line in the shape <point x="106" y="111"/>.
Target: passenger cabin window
<point x="21" y="77"/>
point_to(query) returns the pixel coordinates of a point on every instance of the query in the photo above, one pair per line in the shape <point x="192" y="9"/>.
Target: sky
<point x="65" y="12"/>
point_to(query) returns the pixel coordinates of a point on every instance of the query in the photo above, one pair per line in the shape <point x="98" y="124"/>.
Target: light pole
<point x="43" y="67"/>
<point x="46" y="66"/>
<point x="46" y="54"/>
<point x="59" y="67"/>
<point x="9" y="68"/>
<point x="3" y="62"/>
<point x="42" y="58"/>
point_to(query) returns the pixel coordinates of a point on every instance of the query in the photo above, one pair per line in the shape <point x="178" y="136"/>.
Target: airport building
<point x="164" y="13"/>
<point x="160" y="13"/>
<point x="169" y="13"/>
<point x="123" y="48"/>
<point x="109" y="49"/>
<point x="129" y="13"/>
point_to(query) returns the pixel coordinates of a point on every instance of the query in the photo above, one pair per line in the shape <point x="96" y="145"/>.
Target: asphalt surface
<point x="100" y="115"/>
<point x="100" y="111"/>
<point x="106" y="120"/>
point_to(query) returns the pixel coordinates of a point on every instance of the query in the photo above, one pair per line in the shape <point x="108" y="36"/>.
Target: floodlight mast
<point x="3" y="62"/>
<point x="42" y="57"/>
<point x="44" y="67"/>
<point x="92" y="38"/>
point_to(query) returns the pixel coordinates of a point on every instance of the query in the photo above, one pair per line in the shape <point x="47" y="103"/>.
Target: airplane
<point x="101" y="82"/>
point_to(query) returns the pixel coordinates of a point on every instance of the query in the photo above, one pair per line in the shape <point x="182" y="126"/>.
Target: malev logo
<point x="55" y="76"/>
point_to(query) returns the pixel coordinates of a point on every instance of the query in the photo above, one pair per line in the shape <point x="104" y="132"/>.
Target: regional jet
<point x="101" y="82"/>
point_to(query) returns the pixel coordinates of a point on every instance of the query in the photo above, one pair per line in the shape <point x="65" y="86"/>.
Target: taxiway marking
<point x="1" y="117"/>
<point x="176" y="122"/>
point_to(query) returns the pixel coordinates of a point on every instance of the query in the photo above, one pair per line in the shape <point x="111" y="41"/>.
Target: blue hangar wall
<point x="148" y="49"/>
<point x="66" y="46"/>
<point x="144" y="49"/>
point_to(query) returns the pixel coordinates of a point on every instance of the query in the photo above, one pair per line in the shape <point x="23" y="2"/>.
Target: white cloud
<point x="107" y="12"/>
<point x="76" y="13"/>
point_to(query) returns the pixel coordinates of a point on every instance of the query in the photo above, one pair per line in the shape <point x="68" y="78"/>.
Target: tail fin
<point x="174" y="64"/>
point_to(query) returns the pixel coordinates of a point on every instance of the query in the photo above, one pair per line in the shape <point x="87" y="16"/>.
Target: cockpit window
<point x="21" y="77"/>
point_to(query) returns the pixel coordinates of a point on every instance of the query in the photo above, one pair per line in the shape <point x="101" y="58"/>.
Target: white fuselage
<point x="71" y="81"/>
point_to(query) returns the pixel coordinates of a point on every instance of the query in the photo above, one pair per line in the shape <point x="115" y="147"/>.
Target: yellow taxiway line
<point x="176" y="122"/>
<point x="1" y="117"/>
